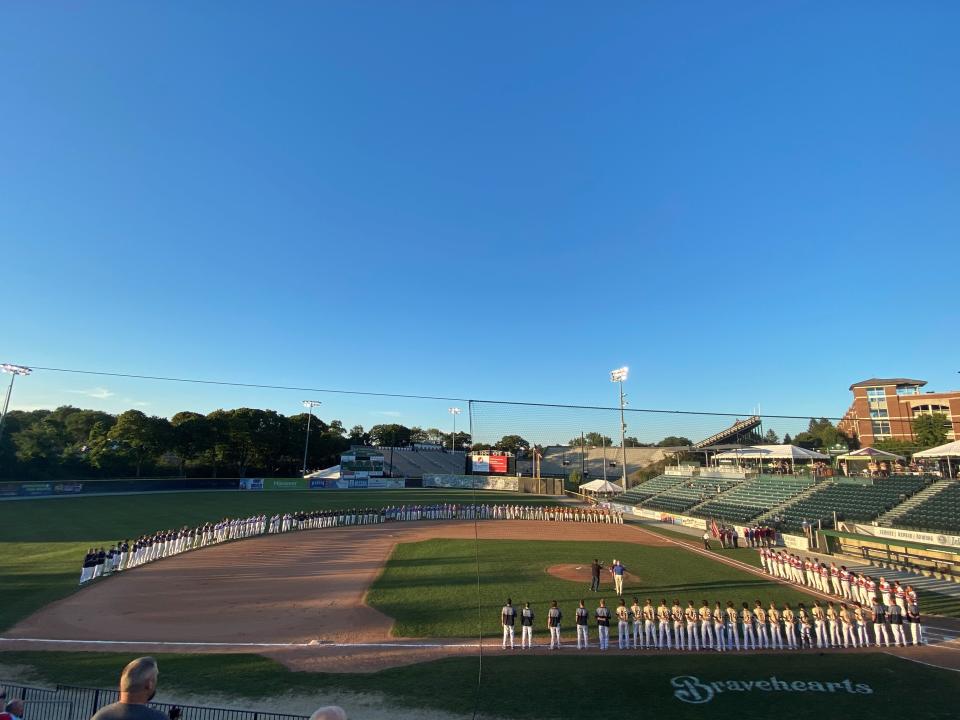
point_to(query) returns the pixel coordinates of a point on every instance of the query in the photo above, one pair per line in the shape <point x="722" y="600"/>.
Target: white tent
<point x="601" y="486"/>
<point x="950" y="450"/>
<point x="772" y="452"/>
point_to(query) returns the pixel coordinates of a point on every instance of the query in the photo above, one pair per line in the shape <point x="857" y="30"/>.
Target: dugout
<point x="923" y="558"/>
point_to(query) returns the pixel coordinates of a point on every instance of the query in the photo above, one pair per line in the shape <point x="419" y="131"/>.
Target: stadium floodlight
<point x="453" y="438"/>
<point x="310" y="405"/>
<point x="619" y="376"/>
<point x="13" y="370"/>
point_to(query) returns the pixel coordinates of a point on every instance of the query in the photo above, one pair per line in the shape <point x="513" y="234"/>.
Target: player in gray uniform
<point x="554" y="616"/>
<point x="526" y="627"/>
<point x="507" y="617"/>
<point x="583" y="617"/>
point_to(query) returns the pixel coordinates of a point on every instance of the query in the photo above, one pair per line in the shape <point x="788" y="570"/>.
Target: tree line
<point x="71" y="442"/>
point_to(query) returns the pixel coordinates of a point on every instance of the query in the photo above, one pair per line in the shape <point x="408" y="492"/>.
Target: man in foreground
<point x="138" y="685"/>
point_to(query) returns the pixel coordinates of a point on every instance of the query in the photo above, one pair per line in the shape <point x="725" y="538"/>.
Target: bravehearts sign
<point x="690" y="689"/>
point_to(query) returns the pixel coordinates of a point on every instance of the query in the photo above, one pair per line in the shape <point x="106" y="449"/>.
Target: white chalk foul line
<point x="919" y="662"/>
<point x="174" y="643"/>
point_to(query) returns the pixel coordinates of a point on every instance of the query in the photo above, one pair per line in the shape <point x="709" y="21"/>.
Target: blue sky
<point x="748" y="204"/>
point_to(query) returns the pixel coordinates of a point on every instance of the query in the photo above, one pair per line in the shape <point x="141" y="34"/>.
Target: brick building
<point x="884" y="408"/>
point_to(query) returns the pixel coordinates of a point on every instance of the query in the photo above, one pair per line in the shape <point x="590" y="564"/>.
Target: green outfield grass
<point x="614" y="685"/>
<point x="430" y="587"/>
<point x="43" y="541"/>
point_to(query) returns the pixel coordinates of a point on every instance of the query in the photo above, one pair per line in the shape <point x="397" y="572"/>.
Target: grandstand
<point x="690" y="492"/>
<point x="646" y="490"/>
<point x="417" y="463"/>
<point x="753" y="498"/>
<point x="563" y="459"/>
<point x="851" y="501"/>
<point x="938" y="513"/>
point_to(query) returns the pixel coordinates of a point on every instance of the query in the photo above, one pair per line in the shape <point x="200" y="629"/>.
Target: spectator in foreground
<point x="14" y="709"/>
<point x="138" y="685"/>
<point x="330" y="712"/>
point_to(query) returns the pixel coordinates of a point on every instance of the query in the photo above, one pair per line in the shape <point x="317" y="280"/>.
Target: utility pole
<point x="14" y="370"/>
<point x="310" y="405"/>
<point x="618" y="376"/>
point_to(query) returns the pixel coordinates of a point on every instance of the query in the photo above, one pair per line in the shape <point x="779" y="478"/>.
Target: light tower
<point x="619" y="376"/>
<point x="453" y="438"/>
<point x="14" y="370"/>
<point x="309" y="405"/>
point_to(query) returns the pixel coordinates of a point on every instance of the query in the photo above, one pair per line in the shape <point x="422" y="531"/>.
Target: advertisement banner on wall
<point x="889" y="533"/>
<point x="251" y="483"/>
<point x="285" y="484"/>
<point x="358" y="484"/>
<point x="797" y="542"/>
<point x="466" y="482"/>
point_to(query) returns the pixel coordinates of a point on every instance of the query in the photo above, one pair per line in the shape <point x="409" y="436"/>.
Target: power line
<point x="409" y="396"/>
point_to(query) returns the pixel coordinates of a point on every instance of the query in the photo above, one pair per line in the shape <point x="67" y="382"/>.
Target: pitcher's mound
<point x="581" y="574"/>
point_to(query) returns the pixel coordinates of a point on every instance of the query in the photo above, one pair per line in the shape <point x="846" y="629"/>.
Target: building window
<point x="880" y="427"/>
<point x="876" y="393"/>
<point x="908" y="390"/>
<point x="879" y="414"/>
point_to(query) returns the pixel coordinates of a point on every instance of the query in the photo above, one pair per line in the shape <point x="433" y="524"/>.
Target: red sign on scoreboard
<point x="498" y="464"/>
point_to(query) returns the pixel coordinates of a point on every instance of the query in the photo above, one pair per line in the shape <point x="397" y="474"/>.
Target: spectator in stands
<point x="138" y="685"/>
<point x="329" y="712"/>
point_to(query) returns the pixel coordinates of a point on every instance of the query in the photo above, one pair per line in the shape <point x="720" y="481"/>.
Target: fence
<point x="67" y="702"/>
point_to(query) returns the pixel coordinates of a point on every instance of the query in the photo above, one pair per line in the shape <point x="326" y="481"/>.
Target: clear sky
<point x="747" y="203"/>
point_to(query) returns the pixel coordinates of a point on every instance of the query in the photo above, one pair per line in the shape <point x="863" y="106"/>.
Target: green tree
<point x="899" y="447"/>
<point x="391" y="434"/>
<point x="674" y="441"/>
<point x="930" y="430"/>
<point x="192" y="435"/>
<point x="770" y="438"/>
<point x="512" y="443"/>
<point x="145" y="437"/>
<point x="358" y="437"/>
<point x="787" y="440"/>
<point x="591" y="439"/>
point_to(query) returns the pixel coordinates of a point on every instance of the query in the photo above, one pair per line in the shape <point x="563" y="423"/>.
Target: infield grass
<point x="520" y="687"/>
<point x="43" y="541"/>
<point x="430" y="587"/>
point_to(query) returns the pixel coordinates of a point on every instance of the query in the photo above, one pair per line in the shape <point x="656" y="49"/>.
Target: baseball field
<point x="389" y="619"/>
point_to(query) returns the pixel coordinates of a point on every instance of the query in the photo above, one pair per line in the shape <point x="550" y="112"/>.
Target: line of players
<point x="860" y="591"/>
<point x="124" y="555"/>
<point x="718" y="628"/>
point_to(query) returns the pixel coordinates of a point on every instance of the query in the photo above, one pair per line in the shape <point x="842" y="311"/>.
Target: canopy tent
<point x="601" y="486"/>
<point x="771" y="452"/>
<point x="331" y="473"/>
<point x="949" y="450"/>
<point x="870" y="453"/>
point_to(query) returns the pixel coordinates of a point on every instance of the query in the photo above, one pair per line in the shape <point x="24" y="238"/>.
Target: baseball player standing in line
<point x="679" y="634"/>
<point x="526" y="627"/>
<point x="818" y="625"/>
<point x="583" y="616"/>
<point x="693" y="637"/>
<point x="554" y="616"/>
<point x="913" y="617"/>
<point x="718" y="627"/>
<point x="706" y="626"/>
<point x="834" y="620"/>
<point x="763" y="641"/>
<point x="880" y="622"/>
<point x="623" y="626"/>
<point x="773" y="620"/>
<point x="789" y="626"/>
<point x="636" y="613"/>
<point x="649" y="633"/>
<point x="733" y="637"/>
<point x="507" y="617"/>
<point x="603" y="624"/>
<point x="846" y="622"/>
<point x="861" y="624"/>
<point x="895" y="616"/>
<point x="663" y="625"/>
<point x="749" y="639"/>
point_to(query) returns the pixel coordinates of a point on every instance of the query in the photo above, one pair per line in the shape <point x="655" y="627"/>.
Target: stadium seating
<point x="753" y="498"/>
<point x="407" y="463"/>
<point x="689" y="493"/>
<point x="851" y="501"/>
<point x="646" y="490"/>
<point x="940" y="513"/>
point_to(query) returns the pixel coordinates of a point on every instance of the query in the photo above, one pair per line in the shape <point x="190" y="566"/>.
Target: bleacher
<point x="415" y="464"/>
<point x="851" y="501"/>
<point x="940" y="513"/>
<point x="646" y="490"/>
<point x="689" y="493"/>
<point x="754" y="498"/>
